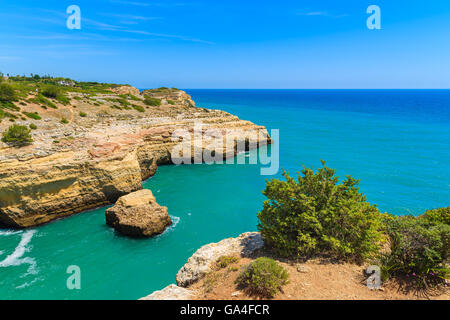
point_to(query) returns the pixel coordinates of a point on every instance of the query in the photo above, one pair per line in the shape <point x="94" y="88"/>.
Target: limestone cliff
<point x="107" y="146"/>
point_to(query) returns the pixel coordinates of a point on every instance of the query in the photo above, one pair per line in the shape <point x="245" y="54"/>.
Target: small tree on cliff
<point x="316" y="214"/>
<point x="17" y="136"/>
<point x="7" y="93"/>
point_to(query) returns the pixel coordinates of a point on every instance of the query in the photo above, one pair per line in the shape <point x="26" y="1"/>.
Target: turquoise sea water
<point x="396" y="142"/>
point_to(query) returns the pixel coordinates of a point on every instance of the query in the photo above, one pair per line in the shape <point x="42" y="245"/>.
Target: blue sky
<point x="231" y="44"/>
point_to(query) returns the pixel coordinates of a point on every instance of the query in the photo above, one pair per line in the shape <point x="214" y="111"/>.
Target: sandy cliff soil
<point x="202" y="278"/>
<point x="104" y="151"/>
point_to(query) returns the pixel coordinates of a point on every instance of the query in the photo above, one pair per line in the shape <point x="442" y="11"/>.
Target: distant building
<point x="66" y="83"/>
<point x="5" y="77"/>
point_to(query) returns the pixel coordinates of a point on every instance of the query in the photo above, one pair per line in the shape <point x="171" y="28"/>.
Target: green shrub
<point x="17" y="135"/>
<point x="33" y="126"/>
<point x="441" y="215"/>
<point x="225" y="261"/>
<point x="64" y="121"/>
<point x="51" y="91"/>
<point x="419" y="249"/>
<point x="40" y="99"/>
<point x="264" y="277"/>
<point x="82" y="114"/>
<point x="63" y="99"/>
<point x="152" y="101"/>
<point x="7" y="93"/>
<point x="139" y="108"/>
<point x="32" y="115"/>
<point x="171" y="102"/>
<point x="123" y="102"/>
<point x="316" y="214"/>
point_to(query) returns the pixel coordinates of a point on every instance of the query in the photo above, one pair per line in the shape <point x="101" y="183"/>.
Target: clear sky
<point x="231" y="43"/>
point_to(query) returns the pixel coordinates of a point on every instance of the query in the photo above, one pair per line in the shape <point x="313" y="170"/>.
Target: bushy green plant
<point x="33" y="126"/>
<point x="7" y="93"/>
<point x="316" y="214"/>
<point x="17" y="135"/>
<point x="32" y="115"/>
<point x="225" y="261"/>
<point x="40" y="99"/>
<point x="441" y="215"/>
<point x="139" y="108"/>
<point x="51" y="91"/>
<point x="63" y="99"/>
<point x="264" y="277"/>
<point x="83" y="114"/>
<point x="64" y="121"/>
<point x="419" y="249"/>
<point x="152" y="101"/>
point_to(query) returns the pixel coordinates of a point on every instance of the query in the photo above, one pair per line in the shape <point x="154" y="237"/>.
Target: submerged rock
<point x="138" y="215"/>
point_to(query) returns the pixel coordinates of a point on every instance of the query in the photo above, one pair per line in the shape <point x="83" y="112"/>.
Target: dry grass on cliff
<point x="312" y="280"/>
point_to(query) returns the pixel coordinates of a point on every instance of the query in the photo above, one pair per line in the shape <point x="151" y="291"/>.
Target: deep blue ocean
<point x="396" y="142"/>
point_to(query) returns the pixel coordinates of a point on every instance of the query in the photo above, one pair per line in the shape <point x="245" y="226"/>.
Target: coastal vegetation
<point x="163" y="90"/>
<point x="17" y="135"/>
<point x="418" y="249"/>
<point x="152" y="101"/>
<point x="225" y="261"/>
<point x="316" y="214"/>
<point x="263" y="277"/>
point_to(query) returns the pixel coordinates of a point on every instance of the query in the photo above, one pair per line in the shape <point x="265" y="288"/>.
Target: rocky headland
<point x="93" y="147"/>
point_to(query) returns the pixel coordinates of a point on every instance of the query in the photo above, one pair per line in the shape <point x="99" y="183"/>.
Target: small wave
<point x="175" y="221"/>
<point x="8" y="232"/>
<point x="28" y="284"/>
<point x="15" y="258"/>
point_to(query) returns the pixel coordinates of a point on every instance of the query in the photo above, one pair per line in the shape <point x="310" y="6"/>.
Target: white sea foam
<point x="29" y="283"/>
<point x="8" y="232"/>
<point x="16" y="258"/>
<point x="175" y="221"/>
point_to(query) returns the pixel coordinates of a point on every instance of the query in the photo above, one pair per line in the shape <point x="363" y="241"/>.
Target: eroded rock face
<point x="126" y="90"/>
<point x="171" y="292"/>
<point x="201" y="261"/>
<point x="138" y="215"/>
<point x="94" y="160"/>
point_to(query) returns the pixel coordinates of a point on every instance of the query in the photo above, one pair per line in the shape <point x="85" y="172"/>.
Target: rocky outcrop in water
<point x="108" y="146"/>
<point x="138" y="215"/>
